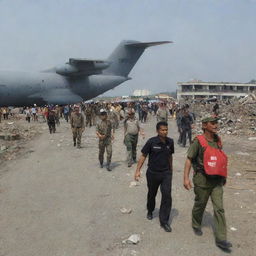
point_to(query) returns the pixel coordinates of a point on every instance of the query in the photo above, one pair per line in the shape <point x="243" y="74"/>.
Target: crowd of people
<point x="204" y="154"/>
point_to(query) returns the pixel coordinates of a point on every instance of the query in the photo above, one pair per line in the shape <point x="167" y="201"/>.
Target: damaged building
<point x="197" y="89"/>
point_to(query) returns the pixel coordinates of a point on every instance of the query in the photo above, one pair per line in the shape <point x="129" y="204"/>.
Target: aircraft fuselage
<point x="25" y="89"/>
<point x="75" y="81"/>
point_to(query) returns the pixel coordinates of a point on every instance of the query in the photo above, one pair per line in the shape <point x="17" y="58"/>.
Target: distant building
<point x="221" y="90"/>
<point x="139" y="93"/>
<point x="163" y="96"/>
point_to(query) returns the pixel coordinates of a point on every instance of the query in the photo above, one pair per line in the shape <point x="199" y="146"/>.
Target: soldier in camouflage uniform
<point x="88" y="115"/>
<point x="113" y="116"/>
<point x="131" y="133"/>
<point x="94" y="114"/>
<point x="105" y="133"/>
<point x="77" y="126"/>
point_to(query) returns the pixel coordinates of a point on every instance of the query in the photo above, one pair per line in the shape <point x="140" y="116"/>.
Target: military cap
<point x="103" y="111"/>
<point x="210" y="119"/>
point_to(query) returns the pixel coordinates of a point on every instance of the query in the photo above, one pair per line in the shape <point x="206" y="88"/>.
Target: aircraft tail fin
<point x="125" y="56"/>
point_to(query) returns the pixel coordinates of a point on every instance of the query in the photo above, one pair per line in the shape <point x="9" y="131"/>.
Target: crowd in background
<point x="117" y="112"/>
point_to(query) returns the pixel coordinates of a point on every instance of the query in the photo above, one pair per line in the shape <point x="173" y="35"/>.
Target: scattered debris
<point x="133" y="239"/>
<point x="133" y="184"/>
<point x="133" y="253"/>
<point x="3" y="148"/>
<point x="236" y="117"/>
<point x="250" y="170"/>
<point x="5" y="136"/>
<point x="237" y="188"/>
<point x="126" y="211"/>
<point x="242" y="153"/>
<point x="13" y="134"/>
<point x="233" y="229"/>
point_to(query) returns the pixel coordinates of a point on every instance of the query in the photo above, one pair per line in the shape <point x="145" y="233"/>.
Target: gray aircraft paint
<point x="49" y="87"/>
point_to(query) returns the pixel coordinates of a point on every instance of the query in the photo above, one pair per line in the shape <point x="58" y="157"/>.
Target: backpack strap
<point x="202" y="140"/>
<point x="219" y="143"/>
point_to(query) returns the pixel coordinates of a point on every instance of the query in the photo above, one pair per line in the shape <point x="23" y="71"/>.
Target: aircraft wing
<point x="76" y="67"/>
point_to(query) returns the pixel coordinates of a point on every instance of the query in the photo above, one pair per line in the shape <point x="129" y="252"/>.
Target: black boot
<point x="149" y="215"/>
<point x="108" y="167"/>
<point x="166" y="227"/>
<point x="223" y="244"/>
<point x="197" y="231"/>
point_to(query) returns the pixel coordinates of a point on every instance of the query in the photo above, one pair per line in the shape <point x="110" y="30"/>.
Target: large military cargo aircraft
<point x="76" y="81"/>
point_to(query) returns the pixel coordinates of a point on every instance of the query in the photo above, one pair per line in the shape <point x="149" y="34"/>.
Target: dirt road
<point x="56" y="201"/>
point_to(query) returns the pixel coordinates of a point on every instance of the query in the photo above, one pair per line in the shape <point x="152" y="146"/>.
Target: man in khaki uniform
<point x="77" y="126"/>
<point x="93" y="114"/>
<point x="131" y="133"/>
<point x="105" y="133"/>
<point x="162" y="113"/>
<point x="88" y="115"/>
<point x="206" y="186"/>
<point x="113" y="116"/>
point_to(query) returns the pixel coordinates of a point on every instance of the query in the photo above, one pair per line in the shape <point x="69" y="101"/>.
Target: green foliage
<point x="253" y="81"/>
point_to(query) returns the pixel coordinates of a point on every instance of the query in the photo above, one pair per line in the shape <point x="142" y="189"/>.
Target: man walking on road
<point x="131" y="133"/>
<point x="210" y="171"/>
<point x="77" y="126"/>
<point x="162" y="113"/>
<point x="159" y="173"/>
<point x="51" y="121"/>
<point x="88" y="115"/>
<point x="186" y="122"/>
<point x="105" y="133"/>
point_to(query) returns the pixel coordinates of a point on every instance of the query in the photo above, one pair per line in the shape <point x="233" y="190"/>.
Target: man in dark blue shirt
<point x="159" y="173"/>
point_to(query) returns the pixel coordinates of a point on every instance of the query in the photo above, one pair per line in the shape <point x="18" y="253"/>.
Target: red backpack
<point x="215" y="160"/>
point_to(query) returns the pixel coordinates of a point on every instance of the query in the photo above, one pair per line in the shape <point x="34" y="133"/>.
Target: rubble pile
<point x="237" y="117"/>
<point x="13" y="134"/>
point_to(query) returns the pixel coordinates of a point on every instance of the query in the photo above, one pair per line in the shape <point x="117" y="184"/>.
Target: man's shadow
<point x="208" y="220"/>
<point x="174" y="214"/>
<point x="116" y="164"/>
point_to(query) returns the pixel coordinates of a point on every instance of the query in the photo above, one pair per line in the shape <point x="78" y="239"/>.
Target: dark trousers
<point x="186" y="133"/>
<point x="52" y="127"/>
<point x="180" y="135"/>
<point x="164" y="180"/>
<point x="66" y="116"/>
<point x="144" y="116"/>
<point x="88" y="121"/>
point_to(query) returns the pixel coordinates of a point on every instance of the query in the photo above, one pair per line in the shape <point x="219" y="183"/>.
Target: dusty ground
<point x="56" y="201"/>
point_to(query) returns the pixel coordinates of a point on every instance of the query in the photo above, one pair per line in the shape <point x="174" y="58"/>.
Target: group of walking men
<point x="210" y="170"/>
<point x="204" y="154"/>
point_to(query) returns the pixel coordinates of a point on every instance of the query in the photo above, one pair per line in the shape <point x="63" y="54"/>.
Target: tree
<point x="253" y="81"/>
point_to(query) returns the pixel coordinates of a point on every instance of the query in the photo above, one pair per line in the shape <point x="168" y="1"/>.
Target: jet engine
<point x="66" y="69"/>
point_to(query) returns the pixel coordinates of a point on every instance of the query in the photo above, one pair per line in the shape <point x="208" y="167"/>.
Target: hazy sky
<point x="214" y="40"/>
